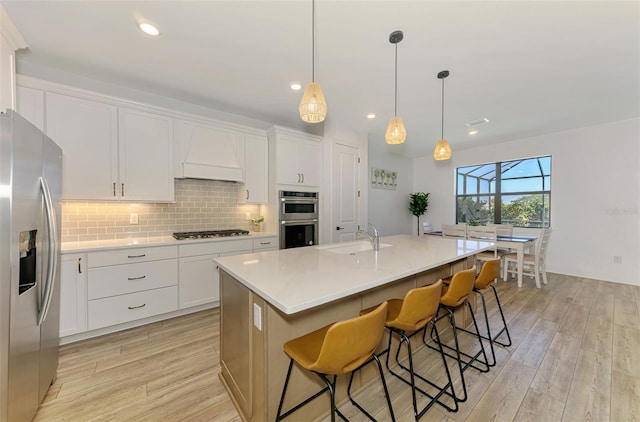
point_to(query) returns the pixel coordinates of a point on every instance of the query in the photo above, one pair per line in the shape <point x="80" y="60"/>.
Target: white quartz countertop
<point x="95" y="245"/>
<point x="293" y="280"/>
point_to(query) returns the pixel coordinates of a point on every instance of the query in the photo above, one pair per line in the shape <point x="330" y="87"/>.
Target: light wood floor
<point x="575" y="357"/>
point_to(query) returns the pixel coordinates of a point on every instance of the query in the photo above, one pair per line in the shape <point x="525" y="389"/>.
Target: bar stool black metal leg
<point x="505" y="329"/>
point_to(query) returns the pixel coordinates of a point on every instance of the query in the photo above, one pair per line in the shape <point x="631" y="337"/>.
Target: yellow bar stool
<point x="455" y="295"/>
<point x="340" y="348"/>
<point x="405" y="318"/>
<point x="488" y="274"/>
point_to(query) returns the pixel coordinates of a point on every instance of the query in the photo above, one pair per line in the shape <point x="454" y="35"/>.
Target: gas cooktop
<point x="210" y="233"/>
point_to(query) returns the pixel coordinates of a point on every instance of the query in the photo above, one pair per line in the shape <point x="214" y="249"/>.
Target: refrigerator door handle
<point x="53" y="250"/>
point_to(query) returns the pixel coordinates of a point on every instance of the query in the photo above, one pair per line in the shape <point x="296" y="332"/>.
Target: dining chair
<point x="487" y="234"/>
<point x="454" y="230"/>
<point x="534" y="264"/>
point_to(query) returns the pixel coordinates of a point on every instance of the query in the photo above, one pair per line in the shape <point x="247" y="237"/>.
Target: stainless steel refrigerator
<point x="30" y="190"/>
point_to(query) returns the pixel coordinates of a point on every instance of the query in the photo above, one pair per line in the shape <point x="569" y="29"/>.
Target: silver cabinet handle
<point x="137" y="278"/>
<point x="265" y="243"/>
<point x="137" y="307"/>
<point x="302" y="177"/>
<point x="247" y="194"/>
<point x="79" y="265"/>
<point x="136" y="256"/>
<point x="114" y="188"/>
<point x="122" y="189"/>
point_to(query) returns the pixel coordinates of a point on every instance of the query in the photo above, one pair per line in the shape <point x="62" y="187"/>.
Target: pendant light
<point x="396" y="132"/>
<point x="313" y="106"/>
<point x="442" y="150"/>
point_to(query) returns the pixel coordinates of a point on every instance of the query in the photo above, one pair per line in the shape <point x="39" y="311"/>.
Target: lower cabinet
<point x="73" y="294"/>
<point x="199" y="280"/>
<point x="129" y="284"/>
<point x="110" y="287"/>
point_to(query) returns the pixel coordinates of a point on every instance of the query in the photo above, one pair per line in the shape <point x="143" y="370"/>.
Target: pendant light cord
<point x="395" y="107"/>
<point x="442" y="123"/>
<point x="313" y="41"/>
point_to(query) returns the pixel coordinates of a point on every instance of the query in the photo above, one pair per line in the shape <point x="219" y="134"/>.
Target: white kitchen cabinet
<point x="206" y="151"/>
<point x="10" y="41"/>
<point x="128" y="284"/>
<point x="30" y="105"/>
<point x="199" y="277"/>
<point x="73" y="294"/>
<point x="298" y="159"/>
<point x="87" y="132"/>
<point x="145" y="156"/>
<point x="256" y="170"/>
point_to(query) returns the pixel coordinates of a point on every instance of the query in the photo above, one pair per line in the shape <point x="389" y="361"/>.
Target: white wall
<point x="389" y="209"/>
<point x="595" y="195"/>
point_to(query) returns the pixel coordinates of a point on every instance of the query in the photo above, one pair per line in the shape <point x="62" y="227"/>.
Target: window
<point x="514" y="192"/>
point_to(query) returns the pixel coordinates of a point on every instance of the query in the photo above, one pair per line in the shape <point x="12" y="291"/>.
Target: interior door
<point x="346" y="184"/>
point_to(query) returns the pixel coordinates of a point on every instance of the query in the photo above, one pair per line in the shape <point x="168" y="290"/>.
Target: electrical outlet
<point x="133" y="218"/>
<point x="257" y="316"/>
<point x="248" y="215"/>
<point x="617" y="259"/>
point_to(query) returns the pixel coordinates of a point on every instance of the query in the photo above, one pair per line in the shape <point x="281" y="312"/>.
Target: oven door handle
<point x="298" y="222"/>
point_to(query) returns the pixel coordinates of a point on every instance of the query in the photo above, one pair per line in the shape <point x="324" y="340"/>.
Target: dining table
<point x="519" y="243"/>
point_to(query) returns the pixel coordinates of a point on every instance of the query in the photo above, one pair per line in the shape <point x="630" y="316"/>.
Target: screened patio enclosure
<point x="516" y="192"/>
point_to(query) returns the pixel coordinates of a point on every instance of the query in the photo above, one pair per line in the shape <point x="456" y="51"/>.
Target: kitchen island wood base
<point x="253" y="364"/>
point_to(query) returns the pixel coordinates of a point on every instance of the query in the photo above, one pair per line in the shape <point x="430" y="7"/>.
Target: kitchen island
<point x="268" y="298"/>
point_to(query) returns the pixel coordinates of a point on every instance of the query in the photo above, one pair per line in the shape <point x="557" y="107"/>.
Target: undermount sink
<point x="351" y="248"/>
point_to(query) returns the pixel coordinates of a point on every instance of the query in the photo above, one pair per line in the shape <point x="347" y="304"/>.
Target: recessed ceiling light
<point x="371" y="116"/>
<point x="473" y="132"/>
<point x="477" y="122"/>
<point x="149" y="29"/>
<point x="296" y="86"/>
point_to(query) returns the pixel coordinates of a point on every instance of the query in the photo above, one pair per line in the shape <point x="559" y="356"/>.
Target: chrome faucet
<point x="374" y="239"/>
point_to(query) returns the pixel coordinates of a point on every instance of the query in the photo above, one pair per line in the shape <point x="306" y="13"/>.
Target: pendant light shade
<point x="396" y="132"/>
<point x="442" y="150"/>
<point x="313" y="106"/>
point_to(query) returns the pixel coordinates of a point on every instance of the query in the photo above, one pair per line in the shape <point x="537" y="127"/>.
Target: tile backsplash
<point x="199" y="205"/>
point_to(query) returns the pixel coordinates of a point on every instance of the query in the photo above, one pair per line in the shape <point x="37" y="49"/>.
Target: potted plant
<point x="256" y="223"/>
<point x="418" y="204"/>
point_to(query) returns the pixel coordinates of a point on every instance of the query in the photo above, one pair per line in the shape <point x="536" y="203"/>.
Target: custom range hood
<point x="208" y="152"/>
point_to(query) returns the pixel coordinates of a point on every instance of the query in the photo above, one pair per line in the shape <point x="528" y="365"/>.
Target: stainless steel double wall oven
<point x="298" y="219"/>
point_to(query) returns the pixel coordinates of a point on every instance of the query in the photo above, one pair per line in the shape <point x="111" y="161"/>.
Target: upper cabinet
<point x="87" y="132"/>
<point x="256" y="169"/>
<point x="31" y="105"/>
<point x="298" y="158"/>
<point x="110" y="152"/>
<point x="206" y="151"/>
<point x="145" y="156"/>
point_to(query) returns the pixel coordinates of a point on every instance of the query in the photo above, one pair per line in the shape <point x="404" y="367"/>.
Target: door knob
<point x="339" y="228"/>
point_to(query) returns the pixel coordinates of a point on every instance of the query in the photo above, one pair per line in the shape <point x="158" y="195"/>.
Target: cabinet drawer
<point x="208" y="248"/>
<point x="265" y="243"/>
<point x="129" y="278"/>
<point x="125" y="308"/>
<point x="127" y="256"/>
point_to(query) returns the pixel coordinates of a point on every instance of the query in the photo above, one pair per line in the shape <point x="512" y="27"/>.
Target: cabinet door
<point x="73" y="294"/>
<point x="256" y="170"/>
<point x="146" y="156"/>
<point x="287" y="170"/>
<point x="30" y="105"/>
<point x="199" y="281"/>
<point x="87" y="133"/>
<point x="310" y="163"/>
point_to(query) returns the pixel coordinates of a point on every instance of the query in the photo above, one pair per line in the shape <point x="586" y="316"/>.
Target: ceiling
<point x="530" y="67"/>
